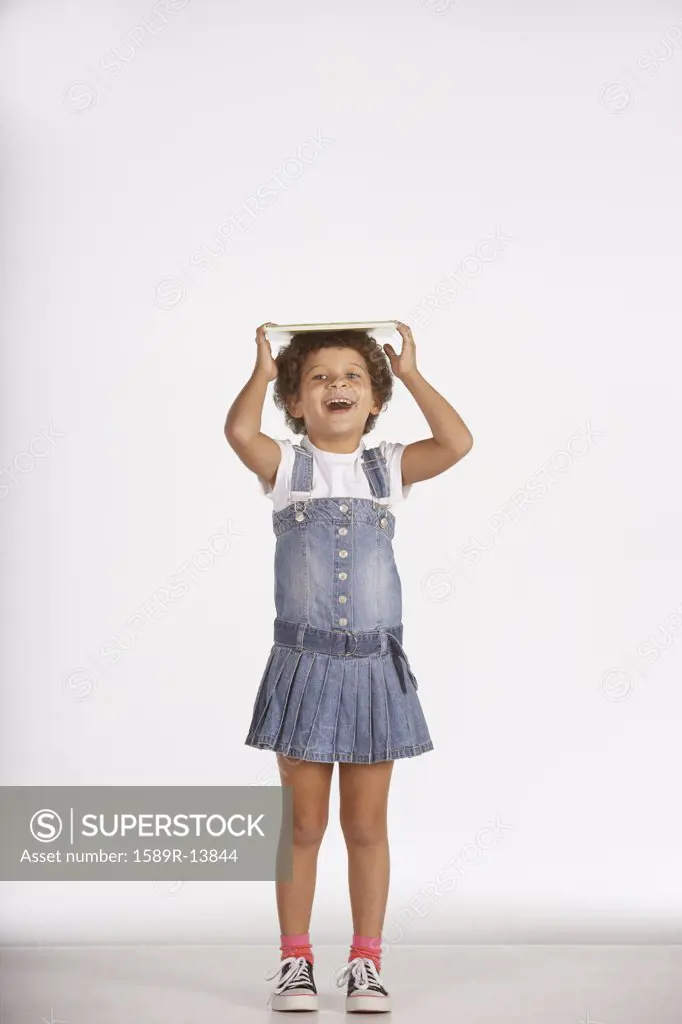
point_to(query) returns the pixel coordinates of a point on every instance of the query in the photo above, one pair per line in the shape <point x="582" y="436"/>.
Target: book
<point x="346" y="325"/>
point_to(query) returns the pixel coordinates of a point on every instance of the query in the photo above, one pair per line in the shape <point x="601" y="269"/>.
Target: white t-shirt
<point x="336" y="475"/>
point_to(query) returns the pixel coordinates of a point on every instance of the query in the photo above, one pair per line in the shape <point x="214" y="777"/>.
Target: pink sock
<point x="367" y="947"/>
<point x="297" y="945"/>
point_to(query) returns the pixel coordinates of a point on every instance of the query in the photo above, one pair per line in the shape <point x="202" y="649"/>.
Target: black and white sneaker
<point x="295" y="988"/>
<point x="365" y="993"/>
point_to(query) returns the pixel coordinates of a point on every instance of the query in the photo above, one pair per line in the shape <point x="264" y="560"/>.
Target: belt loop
<point x="384" y="640"/>
<point x="300" y="633"/>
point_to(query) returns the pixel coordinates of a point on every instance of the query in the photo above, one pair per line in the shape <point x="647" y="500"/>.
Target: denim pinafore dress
<point x="337" y="685"/>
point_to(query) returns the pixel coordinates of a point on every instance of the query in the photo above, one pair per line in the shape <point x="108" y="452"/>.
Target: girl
<point x="337" y="685"/>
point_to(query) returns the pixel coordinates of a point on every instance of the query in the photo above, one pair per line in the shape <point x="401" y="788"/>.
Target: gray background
<point x="548" y="710"/>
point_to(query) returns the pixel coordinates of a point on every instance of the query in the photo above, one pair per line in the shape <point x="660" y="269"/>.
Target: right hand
<point x="264" y="361"/>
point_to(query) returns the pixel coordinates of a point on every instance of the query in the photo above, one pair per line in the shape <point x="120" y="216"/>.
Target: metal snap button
<point x="343" y="553"/>
<point x="382" y="522"/>
<point x="299" y="516"/>
<point x="343" y="575"/>
<point x="342" y="598"/>
<point x="343" y="531"/>
<point x="343" y="622"/>
<point x="344" y="507"/>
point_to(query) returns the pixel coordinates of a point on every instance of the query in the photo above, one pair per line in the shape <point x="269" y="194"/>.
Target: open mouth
<point x="339" y="404"/>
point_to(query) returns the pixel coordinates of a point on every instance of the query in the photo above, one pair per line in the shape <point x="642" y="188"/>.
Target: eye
<point x="318" y="375"/>
<point x="353" y="373"/>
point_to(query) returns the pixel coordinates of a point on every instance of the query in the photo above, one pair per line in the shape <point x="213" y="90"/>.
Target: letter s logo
<point x="46" y="826"/>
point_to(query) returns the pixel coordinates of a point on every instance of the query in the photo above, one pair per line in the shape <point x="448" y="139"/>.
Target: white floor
<point x="428" y="984"/>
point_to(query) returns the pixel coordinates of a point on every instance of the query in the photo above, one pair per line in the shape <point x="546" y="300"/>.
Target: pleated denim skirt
<point x="315" y="706"/>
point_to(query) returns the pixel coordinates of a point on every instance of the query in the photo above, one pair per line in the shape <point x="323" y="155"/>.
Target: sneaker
<point x="295" y="988"/>
<point x="365" y="993"/>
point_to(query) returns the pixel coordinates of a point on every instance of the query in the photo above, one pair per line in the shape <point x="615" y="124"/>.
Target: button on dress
<point x="338" y="685"/>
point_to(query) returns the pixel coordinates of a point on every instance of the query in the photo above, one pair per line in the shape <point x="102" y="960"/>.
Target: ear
<point x="294" y="407"/>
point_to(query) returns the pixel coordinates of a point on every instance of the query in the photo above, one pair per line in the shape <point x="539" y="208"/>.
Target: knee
<point x="308" y="831"/>
<point x="363" y="831"/>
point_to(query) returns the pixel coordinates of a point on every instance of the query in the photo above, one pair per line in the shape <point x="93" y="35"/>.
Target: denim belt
<point x="302" y="636"/>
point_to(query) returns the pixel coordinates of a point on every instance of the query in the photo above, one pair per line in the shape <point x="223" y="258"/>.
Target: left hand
<point x="406" y="362"/>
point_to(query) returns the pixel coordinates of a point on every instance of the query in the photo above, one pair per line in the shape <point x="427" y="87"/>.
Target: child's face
<point x="331" y="373"/>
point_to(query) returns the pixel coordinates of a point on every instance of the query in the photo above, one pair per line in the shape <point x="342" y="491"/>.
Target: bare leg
<point x="363" y="792"/>
<point x="311" y="783"/>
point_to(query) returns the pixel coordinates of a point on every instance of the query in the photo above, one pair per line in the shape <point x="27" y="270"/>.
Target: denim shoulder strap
<point x="376" y="471"/>
<point x="301" y="483"/>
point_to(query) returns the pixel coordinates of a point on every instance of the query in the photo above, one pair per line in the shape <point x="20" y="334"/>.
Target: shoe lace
<point x="290" y="977"/>
<point x="362" y="969"/>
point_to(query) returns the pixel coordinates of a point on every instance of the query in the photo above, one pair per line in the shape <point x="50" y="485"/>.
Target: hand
<point x="406" y="362"/>
<point x="265" y="364"/>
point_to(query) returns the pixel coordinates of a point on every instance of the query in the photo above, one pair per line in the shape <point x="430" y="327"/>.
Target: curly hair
<point x="289" y="361"/>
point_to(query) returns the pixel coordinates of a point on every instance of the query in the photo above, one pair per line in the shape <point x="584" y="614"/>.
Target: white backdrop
<point x="503" y="177"/>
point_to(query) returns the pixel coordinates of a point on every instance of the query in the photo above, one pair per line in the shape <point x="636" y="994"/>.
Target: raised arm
<point x="259" y="452"/>
<point x="451" y="438"/>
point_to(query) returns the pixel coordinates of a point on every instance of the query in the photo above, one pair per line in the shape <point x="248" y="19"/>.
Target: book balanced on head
<point x="341" y="326"/>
